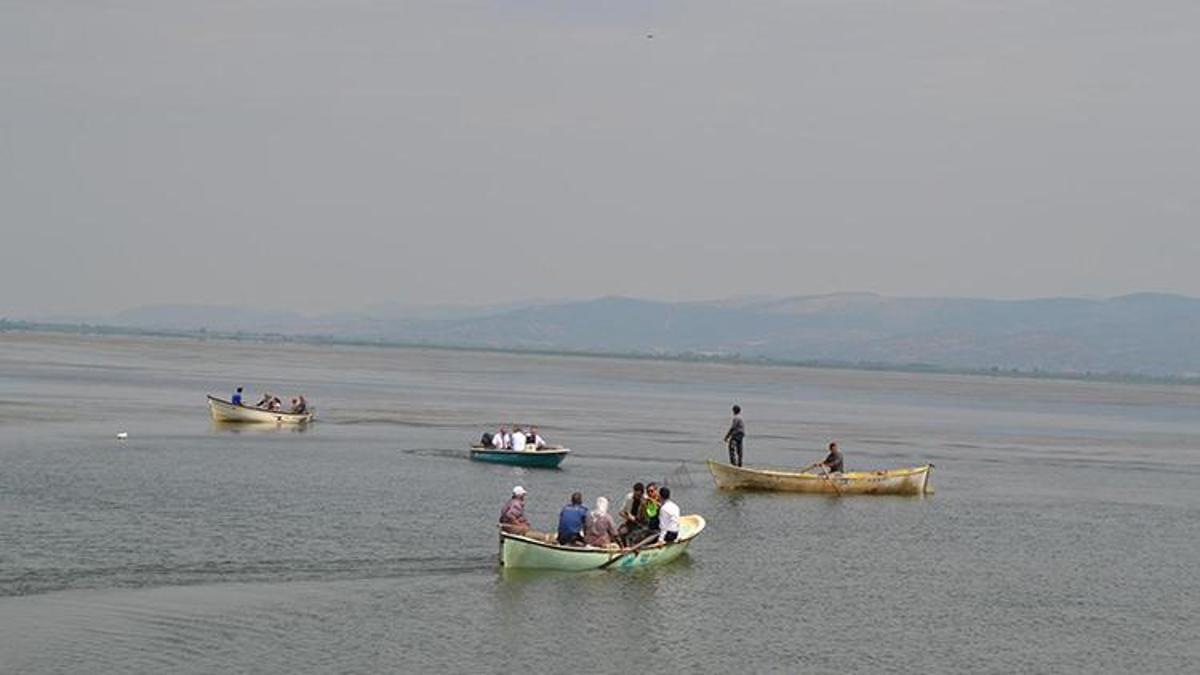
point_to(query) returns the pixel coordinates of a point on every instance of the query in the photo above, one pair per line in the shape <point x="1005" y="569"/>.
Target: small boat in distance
<point x="232" y="413"/>
<point x="914" y="481"/>
<point x="539" y="458"/>
<point x="518" y="551"/>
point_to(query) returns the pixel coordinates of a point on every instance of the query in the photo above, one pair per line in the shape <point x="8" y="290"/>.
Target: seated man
<point x="237" y="397"/>
<point x="668" y="517"/>
<point x="631" y="513"/>
<point x="498" y="439"/>
<point x="571" y="521"/>
<point x="650" y="507"/>
<point x="833" y="463"/>
<point x="512" y="516"/>
<point x="264" y="401"/>
<point x="518" y="439"/>
<point x="299" y="405"/>
<point x="536" y="439"/>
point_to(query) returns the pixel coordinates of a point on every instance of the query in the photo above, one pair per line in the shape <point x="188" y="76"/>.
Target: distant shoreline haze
<point x="1145" y="335"/>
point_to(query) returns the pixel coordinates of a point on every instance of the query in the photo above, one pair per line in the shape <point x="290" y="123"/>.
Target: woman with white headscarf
<point x="599" y="530"/>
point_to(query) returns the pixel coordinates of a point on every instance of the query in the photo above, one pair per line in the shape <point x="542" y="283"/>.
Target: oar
<point x="825" y="473"/>
<point x="808" y="467"/>
<point x="635" y="549"/>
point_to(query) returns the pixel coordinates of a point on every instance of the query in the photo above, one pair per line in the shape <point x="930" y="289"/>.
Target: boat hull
<point x="519" y="552"/>
<point x="913" y="481"/>
<point x="537" y="459"/>
<point x="229" y="413"/>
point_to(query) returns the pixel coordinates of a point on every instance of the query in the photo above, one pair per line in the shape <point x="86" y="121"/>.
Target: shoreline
<point x="31" y="327"/>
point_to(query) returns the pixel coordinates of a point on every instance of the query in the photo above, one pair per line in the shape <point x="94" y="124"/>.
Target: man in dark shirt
<point x="631" y="513"/>
<point x="237" y="397"/>
<point x="737" y="431"/>
<point x="833" y="463"/>
<point x="571" y="521"/>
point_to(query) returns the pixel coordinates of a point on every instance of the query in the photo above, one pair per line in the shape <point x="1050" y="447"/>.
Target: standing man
<point x="737" y="431"/>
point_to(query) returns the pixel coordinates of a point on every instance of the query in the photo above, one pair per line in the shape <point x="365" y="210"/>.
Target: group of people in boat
<point x="735" y="437"/>
<point x="648" y="514"/>
<point x="517" y="439"/>
<point x="272" y="403"/>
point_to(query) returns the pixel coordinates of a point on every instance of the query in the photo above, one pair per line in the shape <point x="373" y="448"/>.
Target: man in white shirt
<point x="518" y="439"/>
<point x="536" y="438"/>
<point x="498" y="439"/>
<point x="668" y="517"/>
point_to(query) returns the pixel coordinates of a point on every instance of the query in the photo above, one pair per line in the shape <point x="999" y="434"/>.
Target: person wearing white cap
<point x="512" y="516"/>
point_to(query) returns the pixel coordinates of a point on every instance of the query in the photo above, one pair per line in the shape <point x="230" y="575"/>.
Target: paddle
<point x="825" y="473"/>
<point x="808" y="467"/>
<point x="635" y="549"/>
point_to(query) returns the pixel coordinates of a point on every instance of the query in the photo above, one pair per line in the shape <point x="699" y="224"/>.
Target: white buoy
<point x="122" y="435"/>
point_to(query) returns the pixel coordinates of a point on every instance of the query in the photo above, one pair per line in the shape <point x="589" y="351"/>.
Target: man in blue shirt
<point x="237" y="397"/>
<point x="571" y="520"/>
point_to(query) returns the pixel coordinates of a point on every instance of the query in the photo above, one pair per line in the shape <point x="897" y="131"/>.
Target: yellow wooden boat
<point x="913" y="481"/>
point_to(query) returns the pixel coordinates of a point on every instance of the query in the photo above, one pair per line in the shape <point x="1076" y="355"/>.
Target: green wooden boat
<point x="544" y="458"/>
<point x="517" y="551"/>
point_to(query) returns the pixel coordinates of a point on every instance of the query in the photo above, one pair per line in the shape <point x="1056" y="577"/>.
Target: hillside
<point x="1144" y="334"/>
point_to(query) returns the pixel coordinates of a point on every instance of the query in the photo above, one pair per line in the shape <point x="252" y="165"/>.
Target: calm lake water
<point x="1063" y="536"/>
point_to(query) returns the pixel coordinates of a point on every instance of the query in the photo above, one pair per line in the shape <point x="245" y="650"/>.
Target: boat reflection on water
<point x="516" y="579"/>
<point x="257" y="428"/>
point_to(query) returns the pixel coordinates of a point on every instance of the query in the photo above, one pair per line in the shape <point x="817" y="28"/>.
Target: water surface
<point x="1063" y="535"/>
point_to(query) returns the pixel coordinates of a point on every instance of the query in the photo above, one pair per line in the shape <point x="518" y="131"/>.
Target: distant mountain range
<point x="1143" y="334"/>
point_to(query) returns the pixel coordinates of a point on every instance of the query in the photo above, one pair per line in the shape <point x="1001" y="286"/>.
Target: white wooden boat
<point x="913" y="481"/>
<point x="517" y="551"/>
<point x="226" y="412"/>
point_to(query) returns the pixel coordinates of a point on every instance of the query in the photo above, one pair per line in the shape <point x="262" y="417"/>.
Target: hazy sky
<point x="321" y="155"/>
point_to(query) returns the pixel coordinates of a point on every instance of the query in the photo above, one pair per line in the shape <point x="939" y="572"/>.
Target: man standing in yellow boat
<point x="737" y="431"/>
